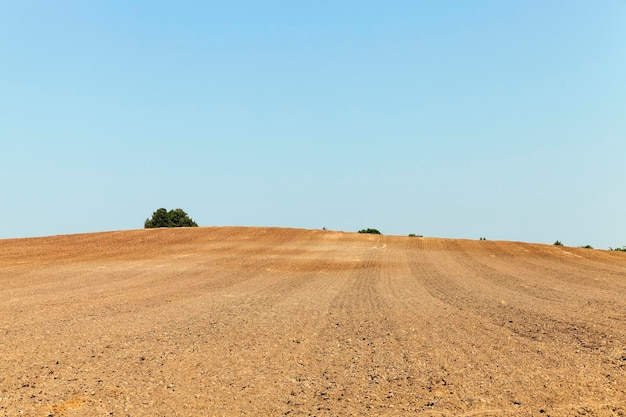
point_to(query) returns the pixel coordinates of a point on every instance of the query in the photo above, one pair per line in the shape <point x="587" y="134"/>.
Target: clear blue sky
<point x="502" y="119"/>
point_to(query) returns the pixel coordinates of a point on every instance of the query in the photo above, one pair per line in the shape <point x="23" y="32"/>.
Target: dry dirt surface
<point x="235" y="321"/>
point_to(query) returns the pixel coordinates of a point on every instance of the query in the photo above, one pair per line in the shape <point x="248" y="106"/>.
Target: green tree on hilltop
<point x="172" y="218"/>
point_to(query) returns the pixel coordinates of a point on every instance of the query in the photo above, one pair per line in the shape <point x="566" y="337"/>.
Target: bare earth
<point x="285" y="322"/>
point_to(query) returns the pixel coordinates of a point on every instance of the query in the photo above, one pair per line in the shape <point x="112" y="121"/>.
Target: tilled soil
<point x="286" y="322"/>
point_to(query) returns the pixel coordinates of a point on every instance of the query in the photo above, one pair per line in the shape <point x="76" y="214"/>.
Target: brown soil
<point x="286" y="322"/>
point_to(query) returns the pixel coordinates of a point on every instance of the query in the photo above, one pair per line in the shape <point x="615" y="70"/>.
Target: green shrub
<point x="172" y="218"/>
<point x="414" y="235"/>
<point x="558" y="243"/>
<point x="371" y="231"/>
<point x="483" y="238"/>
<point x="622" y="249"/>
<point x="586" y="247"/>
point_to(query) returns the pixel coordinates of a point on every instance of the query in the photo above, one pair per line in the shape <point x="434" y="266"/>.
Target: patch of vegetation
<point x="172" y="218"/>
<point x="414" y="235"/>
<point x="370" y="231"/>
<point x="558" y="243"/>
<point x="586" y="247"/>
<point x="483" y="238"/>
<point x="622" y="249"/>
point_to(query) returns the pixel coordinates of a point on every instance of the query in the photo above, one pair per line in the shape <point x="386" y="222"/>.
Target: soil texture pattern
<point x="233" y="321"/>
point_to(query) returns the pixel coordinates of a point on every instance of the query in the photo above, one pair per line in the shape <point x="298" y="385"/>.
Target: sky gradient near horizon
<point x="461" y="119"/>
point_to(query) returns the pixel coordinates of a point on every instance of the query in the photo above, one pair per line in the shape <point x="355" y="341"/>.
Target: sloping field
<point x="277" y="322"/>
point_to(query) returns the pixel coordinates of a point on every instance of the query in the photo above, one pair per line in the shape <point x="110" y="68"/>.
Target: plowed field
<point x="285" y="322"/>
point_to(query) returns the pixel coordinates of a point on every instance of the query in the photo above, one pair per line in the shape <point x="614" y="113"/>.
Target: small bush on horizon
<point x="370" y="231"/>
<point x="622" y="249"/>
<point x="483" y="238"/>
<point x="558" y="243"/>
<point x="414" y="235"/>
<point x="586" y="247"/>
